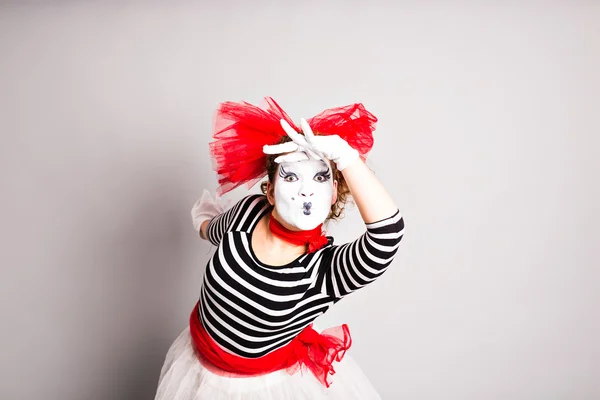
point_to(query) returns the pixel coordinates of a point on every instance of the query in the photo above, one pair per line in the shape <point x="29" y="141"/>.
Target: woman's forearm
<point x="372" y="199"/>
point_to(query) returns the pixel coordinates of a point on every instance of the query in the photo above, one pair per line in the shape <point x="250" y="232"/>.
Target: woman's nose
<point x="306" y="192"/>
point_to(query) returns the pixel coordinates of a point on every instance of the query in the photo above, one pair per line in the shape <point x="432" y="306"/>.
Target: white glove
<point x="309" y="146"/>
<point x="206" y="208"/>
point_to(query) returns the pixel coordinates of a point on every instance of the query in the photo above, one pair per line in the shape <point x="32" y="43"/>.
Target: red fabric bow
<point x="314" y="239"/>
<point x="315" y="351"/>
<point x="318" y="351"/>
<point x="242" y="129"/>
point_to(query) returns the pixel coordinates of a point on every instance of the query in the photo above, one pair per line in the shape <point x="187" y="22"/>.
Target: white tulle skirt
<point x="186" y="376"/>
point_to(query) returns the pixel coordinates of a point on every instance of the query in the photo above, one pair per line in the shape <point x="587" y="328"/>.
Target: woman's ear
<point x="335" y="193"/>
<point x="270" y="193"/>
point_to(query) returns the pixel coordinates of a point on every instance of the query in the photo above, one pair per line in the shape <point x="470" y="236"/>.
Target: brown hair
<point x="343" y="192"/>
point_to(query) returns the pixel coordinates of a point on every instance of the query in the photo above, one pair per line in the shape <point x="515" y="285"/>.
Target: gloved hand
<point x="309" y="146"/>
<point x="206" y="208"/>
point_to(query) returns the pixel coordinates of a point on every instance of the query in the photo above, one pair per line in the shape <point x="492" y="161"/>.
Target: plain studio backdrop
<point x="488" y="139"/>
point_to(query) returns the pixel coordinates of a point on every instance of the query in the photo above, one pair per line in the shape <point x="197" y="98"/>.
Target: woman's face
<point x="303" y="193"/>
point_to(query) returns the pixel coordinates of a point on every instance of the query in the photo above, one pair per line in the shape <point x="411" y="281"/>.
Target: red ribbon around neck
<point x="314" y="239"/>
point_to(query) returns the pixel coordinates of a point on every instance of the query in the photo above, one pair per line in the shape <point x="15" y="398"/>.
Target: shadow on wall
<point x="150" y="286"/>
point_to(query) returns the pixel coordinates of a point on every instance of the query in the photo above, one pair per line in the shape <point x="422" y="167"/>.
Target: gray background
<point x="488" y="140"/>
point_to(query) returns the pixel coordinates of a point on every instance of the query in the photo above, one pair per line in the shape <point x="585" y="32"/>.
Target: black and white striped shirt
<point x="250" y="308"/>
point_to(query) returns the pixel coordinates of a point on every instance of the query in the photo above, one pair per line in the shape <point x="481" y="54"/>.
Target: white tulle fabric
<point x="185" y="376"/>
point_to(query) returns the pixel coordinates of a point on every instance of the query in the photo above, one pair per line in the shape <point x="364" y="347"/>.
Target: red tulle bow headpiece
<point x="242" y="129"/>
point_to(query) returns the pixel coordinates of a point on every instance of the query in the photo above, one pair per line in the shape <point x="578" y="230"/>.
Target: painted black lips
<point x="307" y="207"/>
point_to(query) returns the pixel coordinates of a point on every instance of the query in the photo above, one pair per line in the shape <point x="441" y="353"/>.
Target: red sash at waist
<point x="315" y="351"/>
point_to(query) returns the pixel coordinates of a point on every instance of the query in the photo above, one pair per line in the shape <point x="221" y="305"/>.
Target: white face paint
<point x="304" y="193"/>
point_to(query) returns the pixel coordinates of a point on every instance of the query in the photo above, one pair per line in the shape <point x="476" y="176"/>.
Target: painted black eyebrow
<point x="326" y="173"/>
<point x="283" y="173"/>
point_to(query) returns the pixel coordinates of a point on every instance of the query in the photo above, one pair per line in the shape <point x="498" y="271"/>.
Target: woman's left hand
<point x="207" y="208"/>
<point x="309" y="146"/>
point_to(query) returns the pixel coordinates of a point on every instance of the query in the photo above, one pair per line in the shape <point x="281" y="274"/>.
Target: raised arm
<point x="356" y="264"/>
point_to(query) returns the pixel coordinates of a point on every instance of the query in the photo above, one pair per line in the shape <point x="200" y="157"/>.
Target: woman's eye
<point x="321" y="178"/>
<point x="290" y="178"/>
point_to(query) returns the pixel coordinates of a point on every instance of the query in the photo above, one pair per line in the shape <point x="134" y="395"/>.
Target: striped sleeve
<point x="243" y="211"/>
<point x="354" y="265"/>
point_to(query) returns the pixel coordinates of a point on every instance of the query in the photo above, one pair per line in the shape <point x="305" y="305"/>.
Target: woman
<point x="274" y="271"/>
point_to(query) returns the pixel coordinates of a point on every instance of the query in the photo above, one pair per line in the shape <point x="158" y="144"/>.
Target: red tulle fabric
<point x="313" y="239"/>
<point x="309" y="349"/>
<point x="242" y="129"/>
